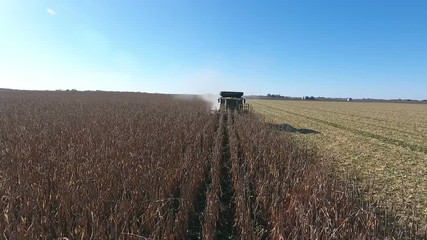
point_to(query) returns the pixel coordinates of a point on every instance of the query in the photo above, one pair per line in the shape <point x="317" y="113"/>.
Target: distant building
<point x="349" y="99"/>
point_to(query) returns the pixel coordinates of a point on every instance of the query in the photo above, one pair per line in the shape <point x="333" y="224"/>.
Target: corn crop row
<point x="149" y="166"/>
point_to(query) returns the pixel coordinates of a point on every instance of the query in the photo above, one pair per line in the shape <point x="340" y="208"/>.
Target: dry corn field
<point x="86" y="165"/>
<point x="383" y="145"/>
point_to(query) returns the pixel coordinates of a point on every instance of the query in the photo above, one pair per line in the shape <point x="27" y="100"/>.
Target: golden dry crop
<point x="382" y="144"/>
<point x="95" y="165"/>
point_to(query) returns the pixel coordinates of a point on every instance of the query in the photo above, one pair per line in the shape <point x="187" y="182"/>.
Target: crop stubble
<point x="382" y="144"/>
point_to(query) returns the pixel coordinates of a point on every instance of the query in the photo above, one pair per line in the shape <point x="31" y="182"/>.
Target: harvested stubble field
<point x="78" y="165"/>
<point x="383" y="145"/>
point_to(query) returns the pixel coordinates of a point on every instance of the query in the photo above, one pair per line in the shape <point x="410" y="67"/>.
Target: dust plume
<point x="207" y="84"/>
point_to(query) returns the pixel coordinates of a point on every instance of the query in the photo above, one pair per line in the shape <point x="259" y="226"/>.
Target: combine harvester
<point x="232" y="101"/>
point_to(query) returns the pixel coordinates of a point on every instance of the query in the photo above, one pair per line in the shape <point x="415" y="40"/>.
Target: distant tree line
<point x="275" y="96"/>
<point x="308" y="98"/>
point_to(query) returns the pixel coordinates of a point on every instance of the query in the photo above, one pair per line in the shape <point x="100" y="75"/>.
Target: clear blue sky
<point x="336" y="48"/>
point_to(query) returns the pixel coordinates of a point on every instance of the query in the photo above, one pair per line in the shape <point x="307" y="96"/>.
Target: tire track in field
<point x="220" y="207"/>
<point x="396" y="142"/>
<point x="195" y="227"/>
<point x="211" y="212"/>
<point x="225" y="228"/>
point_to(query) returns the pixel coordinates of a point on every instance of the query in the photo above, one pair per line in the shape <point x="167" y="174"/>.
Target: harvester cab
<point x="232" y="101"/>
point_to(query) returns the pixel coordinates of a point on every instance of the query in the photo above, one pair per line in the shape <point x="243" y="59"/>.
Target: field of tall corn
<point x="382" y="145"/>
<point x="97" y="165"/>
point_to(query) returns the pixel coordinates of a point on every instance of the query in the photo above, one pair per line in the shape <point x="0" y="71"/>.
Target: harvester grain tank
<point x="232" y="101"/>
